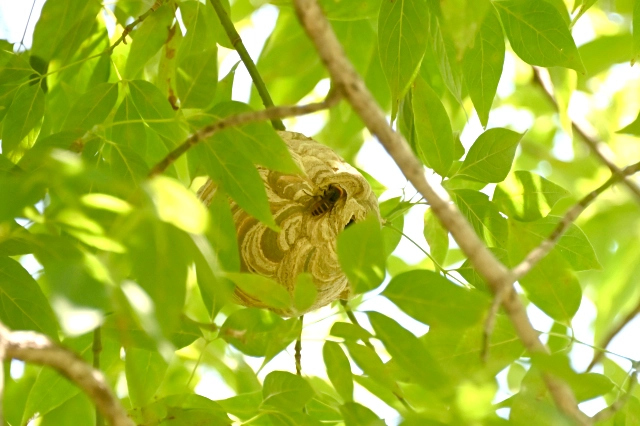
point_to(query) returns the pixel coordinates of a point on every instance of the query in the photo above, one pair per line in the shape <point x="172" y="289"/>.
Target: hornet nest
<point x="311" y="210"/>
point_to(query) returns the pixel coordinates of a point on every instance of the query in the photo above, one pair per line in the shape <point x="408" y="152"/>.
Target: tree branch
<point x="495" y="273"/>
<point x="236" y="41"/>
<point x="241" y="119"/>
<point x="590" y="141"/>
<point x="36" y="348"/>
<point x="131" y="26"/>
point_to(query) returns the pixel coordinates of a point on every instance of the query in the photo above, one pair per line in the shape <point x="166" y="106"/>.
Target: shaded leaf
<point x="92" y="108"/>
<point x="144" y="370"/>
<point x="359" y="415"/>
<point x="305" y="292"/>
<point x="262" y="288"/>
<point x="251" y="330"/>
<point x="285" y="391"/>
<point x="361" y="254"/>
<point x="483" y="216"/>
<point x="436" y="235"/>
<point x="27" y="109"/>
<point x="148" y="39"/>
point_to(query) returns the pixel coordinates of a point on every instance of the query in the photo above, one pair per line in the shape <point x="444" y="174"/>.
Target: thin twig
<point x="495" y="273"/>
<point x="241" y="119"/>
<point x="38" y="349"/>
<point x="236" y="41"/>
<point x="618" y="404"/>
<point x="298" y="355"/>
<point x="599" y="353"/>
<point x="131" y="26"/>
<point x="589" y="140"/>
<point x="96" y="349"/>
<point x="24" y="34"/>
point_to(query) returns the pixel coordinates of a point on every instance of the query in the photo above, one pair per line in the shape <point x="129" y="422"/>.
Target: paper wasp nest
<point x="311" y="211"/>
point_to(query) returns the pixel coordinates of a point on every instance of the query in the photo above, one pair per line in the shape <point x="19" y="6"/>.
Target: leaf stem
<point x="97" y="349"/>
<point x="236" y="41"/>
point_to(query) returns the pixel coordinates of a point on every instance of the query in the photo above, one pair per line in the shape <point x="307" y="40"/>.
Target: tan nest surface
<point x="307" y="242"/>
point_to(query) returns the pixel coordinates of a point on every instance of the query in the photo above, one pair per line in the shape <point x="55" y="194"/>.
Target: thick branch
<point x="36" y="348"/>
<point x="241" y="119"/>
<point x="590" y="141"/>
<point x="495" y="274"/>
<point x="236" y="41"/>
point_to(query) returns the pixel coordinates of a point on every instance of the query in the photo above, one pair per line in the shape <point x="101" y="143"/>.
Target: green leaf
<point x="436" y="235"/>
<point x="636" y="32"/>
<point x="564" y="83"/>
<point x="162" y="256"/>
<point x="145" y="370"/>
<point x="24" y="115"/>
<point x="262" y="288"/>
<point x="482" y="65"/>
<point x="305" y="292"/>
<point x="460" y="350"/>
<point x="155" y="109"/>
<point x="443" y="53"/>
<point x="349" y="331"/>
<point x="259" y="141"/>
<point x="632" y="128"/>
<point x="176" y="205"/>
<point x="13" y="68"/>
<point x="189" y="409"/>
<point x="358" y="415"/>
<point x="361" y="254"/>
<point x="463" y="19"/>
<point x="250" y="330"/>
<point x="600" y="54"/>
<point x="526" y="196"/>
<point x="338" y="369"/>
<point x="92" y="108"/>
<point x="57" y="23"/>
<point x="434" y="300"/>
<point x="128" y="129"/>
<point x="371" y="364"/>
<point x="525" y="21"/>
<point x="573" y="245"/>
<point x="409" y="352"/>
<point x="402" y="42"/>
<point x="285" y="391"/>
<point x="434" y="137"/>
<point x="350" y="11"/>
<point x="469" y="273"/>
<point x="24" y="306"/>
<point x="126" y="164"/>
<point x="222" y="232"/>
<point x="483" y="216"/>
<point x="551" y="284"/>
<point x="490" y="157"/>
<point x="197" y="75"/>
<point x="148" y="39"/>
<point x="237" y="176"/>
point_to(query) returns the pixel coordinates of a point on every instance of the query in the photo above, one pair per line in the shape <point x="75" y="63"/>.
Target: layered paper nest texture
<point x="306" y="242"/>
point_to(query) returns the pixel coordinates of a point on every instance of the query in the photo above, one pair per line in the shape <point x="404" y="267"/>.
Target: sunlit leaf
<point x="434" y="300"/>
<point x="250" y="330"/>
<point x="526" y="196"/>
<point x="402" y="42"/>
<point x="434" y="138"/>
<point x="483" y="216"/>
<point x="285" y="391"/>
<point x="305" y="292"/>
<point x="262" y="288"/>
<point x="356" y="414"/>
<point x="361" y="255"/>
<point x="525" y="21"/>
<point x="148" y="39"/>
<point x="491" y="155"/>
<point x="436" y="235"/>
<point x="409" y="352"/>
<point x="178" y="206"/>
<point x="463" y="19"/>
<point x="338" y="369"/>
<point x="482" y="65"/>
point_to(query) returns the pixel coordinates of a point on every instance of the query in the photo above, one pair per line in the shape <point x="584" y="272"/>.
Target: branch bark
<point x="36" y="348"/>
<point x="495" y="273"/>
<point x="241" y="119"/>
